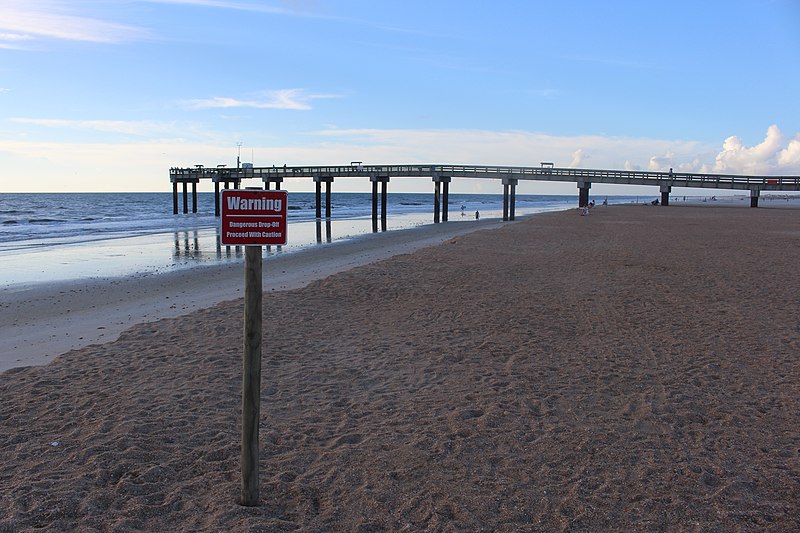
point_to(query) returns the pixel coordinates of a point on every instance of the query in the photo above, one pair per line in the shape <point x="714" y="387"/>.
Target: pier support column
<point x="445" y="198"/>
<point x="328" y="198"/>
<point x="216" y="198"/>
<point x="318" y="181"/>
<point x="318" y="198"/>
<point x="383" y="180"/>
<point x="270" y="180"/>
<point x="185" y="198"/>
<point x="754" y="194"/>
<point x="374" y="205"/>
<point x="194" y="197"/>
<point x="505" y="201"/>
<point x="583" y="193"/>
<point x="436" y="200"/>
<point x="509" y="197"/>
<point x="174" y="197"/>
<point x="384" y="185"/>
<point x="665" y="190"/>
<point x="440" y="198"/>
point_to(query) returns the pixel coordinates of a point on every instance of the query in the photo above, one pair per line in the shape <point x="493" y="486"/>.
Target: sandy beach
<point x="632" y="370"/>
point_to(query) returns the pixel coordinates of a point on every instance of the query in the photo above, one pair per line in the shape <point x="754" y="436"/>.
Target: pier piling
<point x="509" y="197"/>
<point x="383" y="180"/>
<point x="318" y="181"/>
<point x="441" y="192"/>
<point x="754" y="194"/>
<point x="665" y="190"/>
<point x="583" y="193"/>
<point x="510" y="175"/>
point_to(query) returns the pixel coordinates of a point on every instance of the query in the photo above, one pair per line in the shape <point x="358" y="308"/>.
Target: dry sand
<point x="634" y="370"/>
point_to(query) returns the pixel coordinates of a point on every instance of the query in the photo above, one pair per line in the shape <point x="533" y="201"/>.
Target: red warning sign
<point x="253" y="217"/>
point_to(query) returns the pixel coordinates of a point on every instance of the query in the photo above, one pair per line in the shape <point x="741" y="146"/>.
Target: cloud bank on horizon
<point x="93" y="88"/>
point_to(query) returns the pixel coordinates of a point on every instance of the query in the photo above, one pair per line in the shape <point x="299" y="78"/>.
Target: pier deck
<point x="441" y="175"/>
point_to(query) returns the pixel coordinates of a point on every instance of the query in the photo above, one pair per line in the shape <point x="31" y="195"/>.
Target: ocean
<point x="46" y="237"/>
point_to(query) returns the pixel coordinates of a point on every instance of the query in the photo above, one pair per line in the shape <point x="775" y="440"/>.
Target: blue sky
<point x="99" y="95"/>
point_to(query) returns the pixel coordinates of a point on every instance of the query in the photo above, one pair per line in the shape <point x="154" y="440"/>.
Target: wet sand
<point x="39" y="322"/>
<point x="636" y="369"/>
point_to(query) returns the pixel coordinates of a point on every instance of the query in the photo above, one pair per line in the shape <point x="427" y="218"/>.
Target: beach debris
<point x="55" y="443"/>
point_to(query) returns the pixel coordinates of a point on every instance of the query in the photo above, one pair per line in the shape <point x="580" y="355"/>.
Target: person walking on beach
<point x="477" y="215"/>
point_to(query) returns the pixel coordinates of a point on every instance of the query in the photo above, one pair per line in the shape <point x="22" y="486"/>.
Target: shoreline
<point x="41" y="321"/>
<point x="635" y="369"/>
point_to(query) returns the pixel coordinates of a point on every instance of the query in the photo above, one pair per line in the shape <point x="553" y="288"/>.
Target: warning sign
<point x="253" y="217"/>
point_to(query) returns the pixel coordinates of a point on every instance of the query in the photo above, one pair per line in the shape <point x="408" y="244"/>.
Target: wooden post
<point x="174" y="197"/>
<point x="251" y="380"/>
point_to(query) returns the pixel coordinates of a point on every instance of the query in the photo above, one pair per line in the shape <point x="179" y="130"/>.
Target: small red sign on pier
<point x="252" y="217"/>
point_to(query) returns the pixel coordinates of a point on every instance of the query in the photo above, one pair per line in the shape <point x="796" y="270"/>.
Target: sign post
<point x="252" y="218"/>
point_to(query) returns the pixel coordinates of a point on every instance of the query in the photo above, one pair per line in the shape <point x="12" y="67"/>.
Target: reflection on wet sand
<point x="328" y="236"/>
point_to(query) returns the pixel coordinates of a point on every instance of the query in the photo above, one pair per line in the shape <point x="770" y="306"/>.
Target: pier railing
<point x="543" y="173"/>
<point x="441" y="175"/>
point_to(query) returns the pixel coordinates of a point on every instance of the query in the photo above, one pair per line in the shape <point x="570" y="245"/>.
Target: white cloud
<point x="14" y="41"/>
<point x="762" y="158"/>
<point x="26" y="21"/>
<point x="134" y="127"/>
<point x="663" y="162"/>
<point x="789" y="157"/>
<point x="296" y="99"/>
<point x="303" y="9"/>
<point x="143" y="166"/>
<point x="577" y="158"/>
<point x="509" y="147"/>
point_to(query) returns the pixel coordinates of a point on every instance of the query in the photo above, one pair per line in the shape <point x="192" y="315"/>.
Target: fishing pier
<point x="442" y="175"/>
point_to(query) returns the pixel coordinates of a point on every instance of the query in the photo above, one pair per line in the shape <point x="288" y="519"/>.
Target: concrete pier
<point x="583" y="193"/>
<point x="441" y="198"/>
<point x="443" y="174"/>
<point x="665" y="190"/>
<point x="509" y="198"/>
<point x="318" y="181"/>
<point x="384" y="181"/>
<point x="754" y="194"/>
<point x="185" y="183"/>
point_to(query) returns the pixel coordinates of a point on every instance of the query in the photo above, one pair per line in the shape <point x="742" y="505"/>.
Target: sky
<point x="108" y="95"/>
